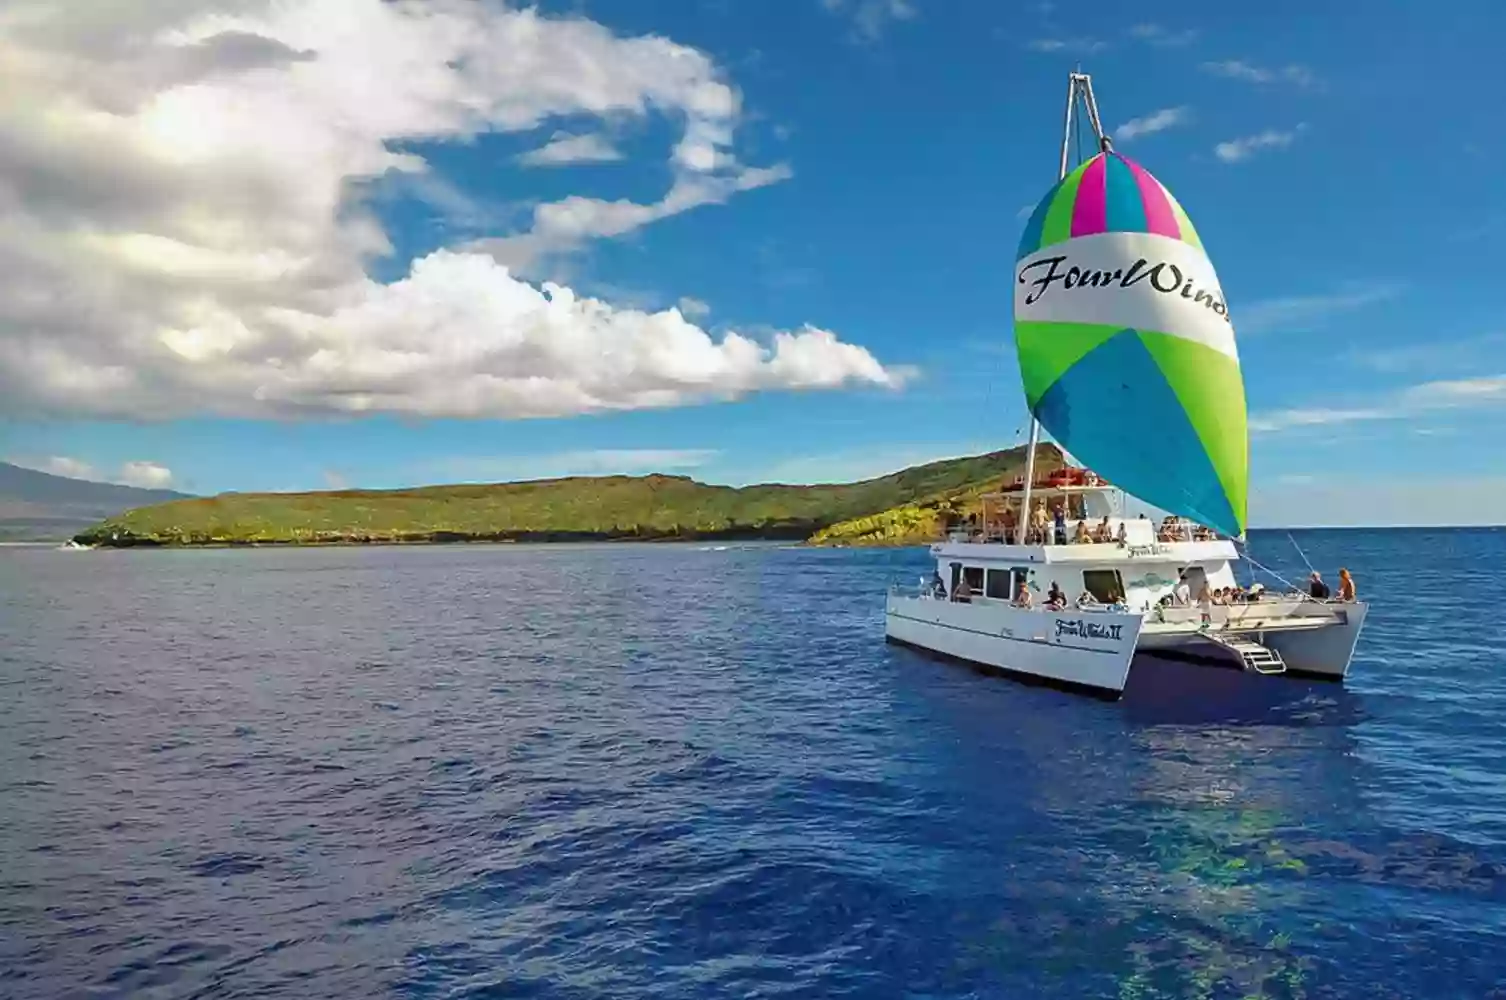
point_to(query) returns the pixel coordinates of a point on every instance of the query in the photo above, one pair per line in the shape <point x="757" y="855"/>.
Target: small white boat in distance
<point x="1127" y="357"/>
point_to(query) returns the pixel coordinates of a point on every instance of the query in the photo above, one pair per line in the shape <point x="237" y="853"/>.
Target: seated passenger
<point x="1121" y="536"/>
<point x="1087" y="600"/>
<point x="1056" y="598"/>
<point x="1103" y="533"/>
<point x="1081" y="536"/>
<point x="1022" y="596"/>
<point x="1346" y="587"/>
<point x="963" y="594"/>
<point x="1316" y="588"/>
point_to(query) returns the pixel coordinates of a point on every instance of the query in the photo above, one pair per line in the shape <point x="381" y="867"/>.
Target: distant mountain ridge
<point x="904" y="507"/>
<point x="41" y="506"/>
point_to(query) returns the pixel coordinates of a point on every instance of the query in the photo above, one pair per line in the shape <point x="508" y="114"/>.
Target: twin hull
<point x="1084" y="649"/>
<point x="1094" y="650"/>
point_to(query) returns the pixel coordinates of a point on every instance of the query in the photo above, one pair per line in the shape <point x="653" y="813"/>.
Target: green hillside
<point x="576" y="509"/>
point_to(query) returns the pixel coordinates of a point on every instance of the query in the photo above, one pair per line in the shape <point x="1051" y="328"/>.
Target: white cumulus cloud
<point x="184" y="225"/>
<point x="148" y="475"/>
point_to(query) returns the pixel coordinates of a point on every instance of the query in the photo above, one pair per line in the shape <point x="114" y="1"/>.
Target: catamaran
<point x="1128" y="359"/>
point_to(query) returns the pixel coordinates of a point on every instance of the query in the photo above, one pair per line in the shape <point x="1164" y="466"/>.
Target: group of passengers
<point x="1056" y="599"/>
<point x="1180" y="596"/>
<point x="1318" y="590"/>
<point x="1179" y="529"/>
<point x="1051" y="528"/>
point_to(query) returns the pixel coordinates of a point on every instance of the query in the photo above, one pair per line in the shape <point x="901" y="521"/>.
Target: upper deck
<point x="1095" y="528"/>
<point x="1183" y="552"/>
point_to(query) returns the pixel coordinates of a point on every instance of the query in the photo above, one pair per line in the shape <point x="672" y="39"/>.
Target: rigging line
<point x="1278" y="576"/>
<point x="1300" y="552"/>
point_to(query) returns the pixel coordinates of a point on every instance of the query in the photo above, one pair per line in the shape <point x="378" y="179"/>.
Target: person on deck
<point x="1205" y="604"/>
<point x="1056" y="598"/>
<point x="1059" y="522"/>
<point x="1039" y="521"/>
<point x="1181" y="594"/>
<point x="1022" y="596"/>
<point x="1316" y="588"/>
<point x="1346" y="587"/>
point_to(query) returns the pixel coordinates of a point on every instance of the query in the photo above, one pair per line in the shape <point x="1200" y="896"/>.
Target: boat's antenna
<point x="1079" y="85"/>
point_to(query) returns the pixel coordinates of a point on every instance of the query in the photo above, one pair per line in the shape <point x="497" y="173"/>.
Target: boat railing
<point x="996" y="534"/>
<point x="1250" y="614"/>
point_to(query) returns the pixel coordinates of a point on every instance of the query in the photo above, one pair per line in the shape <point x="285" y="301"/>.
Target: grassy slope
<point x="609" y="507"/>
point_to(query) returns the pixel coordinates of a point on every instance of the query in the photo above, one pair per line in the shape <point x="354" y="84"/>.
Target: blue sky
<point x="1335" y="158"/>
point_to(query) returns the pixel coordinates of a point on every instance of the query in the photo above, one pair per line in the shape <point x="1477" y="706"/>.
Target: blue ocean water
<point x="696" y="771"/>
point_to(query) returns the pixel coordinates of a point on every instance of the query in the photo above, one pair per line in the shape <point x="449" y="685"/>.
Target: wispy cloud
<point x="1079" y="45"/>
<point x="147" y="475"/>
<point x="693" y="309"/>
<point x="870" y="18"/>
<point x="1433" y="353"/>
<point x="1155" y="34"/>
<point x="1237" y="69"/>
<point x="563" y="149"/>
<point x="1424" y="397"/>
<point x="1156" y="121"/>
<point x="594" y="462"/>
<point x="1304" y="313"/>
<point x="1236" y="150"/>
<point x="1280" y="420"/>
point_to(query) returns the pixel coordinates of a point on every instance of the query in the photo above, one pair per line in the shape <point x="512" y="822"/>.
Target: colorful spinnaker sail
<point x="1126" y="347"/>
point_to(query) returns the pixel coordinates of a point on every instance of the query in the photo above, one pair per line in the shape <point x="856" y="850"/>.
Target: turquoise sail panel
<point x="1086" y="410"/>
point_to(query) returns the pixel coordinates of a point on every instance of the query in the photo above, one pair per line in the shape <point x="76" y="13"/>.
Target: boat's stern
<point x="1327" y="651"/>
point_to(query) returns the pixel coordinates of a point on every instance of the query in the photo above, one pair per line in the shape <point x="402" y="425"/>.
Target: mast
<point x="1079" y="85"/>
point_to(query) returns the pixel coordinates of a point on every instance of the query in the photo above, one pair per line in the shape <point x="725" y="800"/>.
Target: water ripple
<point x="677" y="771"/>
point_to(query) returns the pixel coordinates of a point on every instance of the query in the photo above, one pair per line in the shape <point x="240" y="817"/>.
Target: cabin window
<point x="974" y="577"/>
<point x="1104" y="584"/>
<point x="998" y="584"/>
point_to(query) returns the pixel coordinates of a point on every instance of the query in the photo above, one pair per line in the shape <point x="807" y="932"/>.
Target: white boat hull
<point x="1094" y="650"/>
<point x="1090" y="650"/>
<point x="1323" y="652"/>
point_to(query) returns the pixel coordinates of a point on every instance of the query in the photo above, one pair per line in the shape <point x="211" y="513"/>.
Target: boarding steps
<point x="1253" y="655"/>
